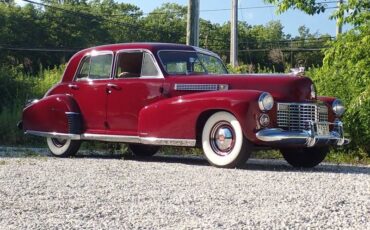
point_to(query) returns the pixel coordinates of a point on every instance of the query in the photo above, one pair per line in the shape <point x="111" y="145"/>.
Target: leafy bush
<point x="345" y="74"/>
<point x="15" y="88"/>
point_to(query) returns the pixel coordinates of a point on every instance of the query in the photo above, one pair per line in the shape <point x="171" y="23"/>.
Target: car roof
<point x="152" y="46"/>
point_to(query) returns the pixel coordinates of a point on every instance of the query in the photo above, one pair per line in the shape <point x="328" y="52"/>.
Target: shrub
<point x="345" y="74"/>
<point x="15" y="88"/>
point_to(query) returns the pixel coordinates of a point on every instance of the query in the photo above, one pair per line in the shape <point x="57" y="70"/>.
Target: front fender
<point x="177" y="117"/>
<point x="56" y="113"/>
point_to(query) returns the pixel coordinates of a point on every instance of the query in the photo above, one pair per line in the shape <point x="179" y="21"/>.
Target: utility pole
<point x="192" y="33"/>
<point x="339" y="23"/>
<point x="234" y="34"/>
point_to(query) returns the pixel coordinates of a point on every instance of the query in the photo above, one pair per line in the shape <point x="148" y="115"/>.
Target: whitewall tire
<point x="223" y="142"/>
<point x="63" y="147"/>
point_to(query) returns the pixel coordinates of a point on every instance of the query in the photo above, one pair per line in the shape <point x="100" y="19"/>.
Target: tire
<point x="143" y="150"/>
<point x="305" y="157"/>
<point x="63" y="147"/>
<point x="228" y="150"/>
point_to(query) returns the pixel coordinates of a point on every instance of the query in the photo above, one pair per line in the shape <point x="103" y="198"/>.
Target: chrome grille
<point x="201" y="87"/>
<point x="296" y="116"/>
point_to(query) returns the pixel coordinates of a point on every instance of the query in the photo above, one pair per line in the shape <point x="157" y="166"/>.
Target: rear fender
<point x="56" y="113"/>
<point x="177" y="117"/>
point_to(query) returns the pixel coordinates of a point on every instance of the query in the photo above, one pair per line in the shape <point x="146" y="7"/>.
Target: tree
<point x="166" y="24"/>
<point x="345" y="71"/>
<point x="345" y="74"/>
<point x="355" y="12"/>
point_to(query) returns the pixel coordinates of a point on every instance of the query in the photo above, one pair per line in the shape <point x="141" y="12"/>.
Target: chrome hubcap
<point x="58" y="142"/>
<point x="222" y="138"/>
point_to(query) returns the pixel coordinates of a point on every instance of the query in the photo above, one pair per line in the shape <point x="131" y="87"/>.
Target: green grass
<point x="348" y="157"/>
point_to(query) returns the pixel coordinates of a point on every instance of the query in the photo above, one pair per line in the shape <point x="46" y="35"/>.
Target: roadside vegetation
<point x="32" y="60"/>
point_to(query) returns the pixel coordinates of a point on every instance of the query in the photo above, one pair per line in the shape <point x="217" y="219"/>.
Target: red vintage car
<point x="153" y="94"/>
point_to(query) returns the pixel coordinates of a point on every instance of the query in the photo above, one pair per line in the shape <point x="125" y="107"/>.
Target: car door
<point x="137" y="83"/>
<point x="89" y="89"/>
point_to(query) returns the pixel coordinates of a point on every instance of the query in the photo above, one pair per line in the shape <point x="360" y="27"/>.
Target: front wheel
<point x="63" y="147"/>
<point x="223" y="142"/>
<point x="304" y="157"/>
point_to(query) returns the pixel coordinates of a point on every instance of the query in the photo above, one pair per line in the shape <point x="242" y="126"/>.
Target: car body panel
<point x="167" y="108"/>
<point x="49" y="114"/>
<point x="177" y="117"/>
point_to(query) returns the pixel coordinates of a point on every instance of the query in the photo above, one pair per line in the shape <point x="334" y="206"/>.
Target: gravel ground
<point x="168" y="192"/>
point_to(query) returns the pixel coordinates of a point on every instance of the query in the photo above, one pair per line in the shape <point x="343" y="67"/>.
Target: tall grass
<point x="16" y="88"/>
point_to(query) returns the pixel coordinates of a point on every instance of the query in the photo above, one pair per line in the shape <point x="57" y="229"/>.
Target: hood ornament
<point x="297" y="71"/>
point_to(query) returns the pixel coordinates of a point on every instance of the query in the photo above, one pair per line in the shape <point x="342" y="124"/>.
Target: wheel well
<point x="202" y="119"/>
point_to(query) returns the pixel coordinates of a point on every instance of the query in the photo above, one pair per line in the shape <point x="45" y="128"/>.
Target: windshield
<point x="191" y="62"/>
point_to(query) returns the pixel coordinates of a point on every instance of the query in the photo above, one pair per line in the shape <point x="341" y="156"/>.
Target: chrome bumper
<point x="306" y="138"/>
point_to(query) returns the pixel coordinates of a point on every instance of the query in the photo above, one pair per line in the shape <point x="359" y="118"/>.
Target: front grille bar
<point x="297" y="116"/>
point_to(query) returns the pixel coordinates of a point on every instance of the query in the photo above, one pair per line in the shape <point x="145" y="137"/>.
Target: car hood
<point x="282" y="87"/>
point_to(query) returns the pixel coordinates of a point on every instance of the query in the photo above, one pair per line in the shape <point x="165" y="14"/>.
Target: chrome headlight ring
<point x="265" y="101"/>
<point x="338" y="107"/>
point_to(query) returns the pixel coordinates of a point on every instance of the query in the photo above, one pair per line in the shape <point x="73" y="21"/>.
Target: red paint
<point x="152" y="107"/>
<point x="48" y="114"/>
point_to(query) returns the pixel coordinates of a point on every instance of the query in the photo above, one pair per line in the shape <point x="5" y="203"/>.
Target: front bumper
<point x="304" y="138"/>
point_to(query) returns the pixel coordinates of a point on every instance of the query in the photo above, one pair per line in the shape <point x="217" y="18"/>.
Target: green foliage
<point x="15" y="88"/>
<point x="348" y="157"/>
<point x="355" y="12"/>
<point x="249" y="69"/>
<point x="345" y="74"/>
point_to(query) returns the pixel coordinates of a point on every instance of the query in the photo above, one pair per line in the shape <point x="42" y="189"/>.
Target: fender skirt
<point x="53" y="114"/>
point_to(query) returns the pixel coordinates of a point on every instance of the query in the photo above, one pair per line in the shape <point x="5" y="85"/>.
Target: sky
<point x="291" y="20"/>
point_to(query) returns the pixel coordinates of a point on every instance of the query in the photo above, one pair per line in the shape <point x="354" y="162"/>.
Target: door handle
<point x="113" y="86"/>
<point x="72" y="86"/>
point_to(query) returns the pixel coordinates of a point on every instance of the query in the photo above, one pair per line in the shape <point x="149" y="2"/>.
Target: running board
<point x="116" y="138"/>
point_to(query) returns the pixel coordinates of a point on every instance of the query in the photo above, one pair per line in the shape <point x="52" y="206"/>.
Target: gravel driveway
<point x="179" y="193"/>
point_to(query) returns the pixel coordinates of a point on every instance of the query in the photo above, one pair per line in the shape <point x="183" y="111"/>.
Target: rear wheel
<point x="143" y="150"/>
<point x="63" y="147"/>
<point x="223" y="141"/>
<point x="305" y="157"/>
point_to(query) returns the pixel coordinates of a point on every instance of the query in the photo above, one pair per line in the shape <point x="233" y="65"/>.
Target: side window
<point x="100" y="66"/>
<point x="129" y="64"/>
<point x="176" y="67"/>
<point x="135" y="64"/>
<point x="84" y="69"/>
<point x="148" y="68"/>
<point x="95" y="67"/>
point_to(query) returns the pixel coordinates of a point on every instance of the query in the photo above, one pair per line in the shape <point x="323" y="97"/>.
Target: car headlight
<point x="313" y="91"/>
<point x="265" y="101"/>
<point x="338" y="107"/>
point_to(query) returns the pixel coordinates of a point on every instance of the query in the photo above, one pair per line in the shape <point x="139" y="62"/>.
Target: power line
<point x="39" y="49"/>
<point x="241" y="8"/>
<point x="283" y="50"/>
<point x="322" y="39"/>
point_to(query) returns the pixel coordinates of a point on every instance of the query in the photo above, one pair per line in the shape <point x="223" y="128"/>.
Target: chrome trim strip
<point x="167" y="141"/>
<point x="117" y="138"/>
<point x="110" y="138"/>
<point x="72" y="113"/>
<point x="54" y="134"/>
<point x="201" y="87"/>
